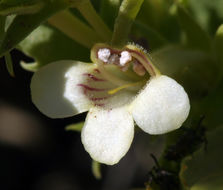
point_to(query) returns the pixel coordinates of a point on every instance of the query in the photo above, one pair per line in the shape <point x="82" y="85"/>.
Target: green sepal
<point x="75" y="127"/>
<point x="96" y="169"/>
<point x="196" y="37"/>
<point x="23" y="25"/>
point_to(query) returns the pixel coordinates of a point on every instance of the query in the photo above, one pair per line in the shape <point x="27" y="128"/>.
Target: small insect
<point x="191" y="139"/>
<point x="165" y="180"/>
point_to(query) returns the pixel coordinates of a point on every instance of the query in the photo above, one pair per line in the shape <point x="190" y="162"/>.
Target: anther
<point x="104" y="54"/>
<point x="138" y="68"/>
<point x="125" y="58"/>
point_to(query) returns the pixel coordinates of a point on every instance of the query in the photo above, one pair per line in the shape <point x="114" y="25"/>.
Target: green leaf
<point x="89" y="13"/>
<point x="156" y="14"/>
<point x="207" y="13"/>
<point x="75" y="127"/>
<point x="109" y="11"/>
<point x="205" y="168"/>
<point x="143" y="32"/>
<point x="73" y="27"/>
<point x="196" y="36"/>
<point x="20" y="7"/>
<point x="218" y="47"/>
<point x="9" y="64"/>
<point x="46" y="44"/>
<point x="214" y="182"/>
<point x="189" y="67"/>
<point x="96" y="169"/>
<point x="23" y="25"/>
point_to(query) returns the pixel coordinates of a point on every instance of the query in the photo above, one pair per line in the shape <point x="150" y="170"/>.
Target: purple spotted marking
<point x="94" y="78"/>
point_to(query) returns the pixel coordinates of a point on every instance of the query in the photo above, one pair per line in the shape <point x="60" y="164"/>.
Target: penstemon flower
<point x="120" y="87"/>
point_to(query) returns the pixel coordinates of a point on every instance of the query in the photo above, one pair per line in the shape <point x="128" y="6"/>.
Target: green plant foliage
<point x="109" y="11"/>
<point x="192" y="68"/>
<point x="207" y="13"/>
<point x="9" y="64"/>
<point x="23" y="25"/>
<point x="203" y="170"/>
<point x="212" y="107"/>
<point x="47" y="39"/>
<point x="20" y="7"/>
<point x="149" y="37"/>
<point x="195" y="35"/>
<point x="218" y="47"/>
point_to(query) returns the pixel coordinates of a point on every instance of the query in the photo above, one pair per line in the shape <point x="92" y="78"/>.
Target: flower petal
<point x="161" y="107"/>
<point x="108" y="134"/>
<point x="54" y="88"/>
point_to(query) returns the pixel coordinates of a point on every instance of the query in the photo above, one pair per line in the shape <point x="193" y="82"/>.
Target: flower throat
<point x="124" y="59"/>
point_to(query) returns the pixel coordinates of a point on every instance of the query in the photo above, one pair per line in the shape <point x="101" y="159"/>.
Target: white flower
<point x="115" y="98"/>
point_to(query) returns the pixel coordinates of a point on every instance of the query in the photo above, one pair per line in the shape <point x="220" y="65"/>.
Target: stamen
<point x="125" y="58"/>
<point x="138" y="68"/>
<point x="104" y="54"/>
<point x="113" y="91"/>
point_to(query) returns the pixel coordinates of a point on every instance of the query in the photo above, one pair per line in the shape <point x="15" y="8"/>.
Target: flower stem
<point x="127" y="14"/>
<point x="89" y="13"/>
<point x="74" y="28"/>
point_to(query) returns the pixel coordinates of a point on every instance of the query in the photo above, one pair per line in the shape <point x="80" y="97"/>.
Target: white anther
<point x="125" y="57"/>
<point x="104" y="54"/>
